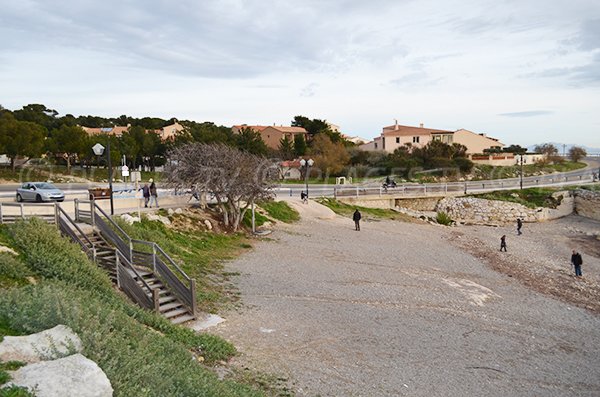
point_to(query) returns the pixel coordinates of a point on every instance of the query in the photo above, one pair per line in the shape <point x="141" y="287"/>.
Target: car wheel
<point x="60" y="201"/>
<point x="19" y="198"/>
<point x="38" y="198"/>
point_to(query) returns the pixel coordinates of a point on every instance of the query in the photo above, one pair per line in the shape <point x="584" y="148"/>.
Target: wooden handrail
<point x="172" y="262"/>
<point x="85" y="237"/>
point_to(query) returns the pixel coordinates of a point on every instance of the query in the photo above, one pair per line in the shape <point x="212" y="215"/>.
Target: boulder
<point x="208" y="224"/>
<point x="75" y="375"/>
<point x="130" y="220"/>
<point x="4" y="248"/>
<point x="170" y="211"/>
<point x="178" y="211"/>
<point x="46" y="345"/>
<point x="160" y="218"/>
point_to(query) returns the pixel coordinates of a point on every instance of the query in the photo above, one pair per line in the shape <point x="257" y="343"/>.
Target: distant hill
<point x="568" y="146"/>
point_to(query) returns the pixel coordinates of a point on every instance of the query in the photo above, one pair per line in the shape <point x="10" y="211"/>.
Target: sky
<point x="525" y="72"/>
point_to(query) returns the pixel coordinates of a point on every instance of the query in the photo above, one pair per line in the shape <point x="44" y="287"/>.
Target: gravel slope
<point x="404" y="309"/>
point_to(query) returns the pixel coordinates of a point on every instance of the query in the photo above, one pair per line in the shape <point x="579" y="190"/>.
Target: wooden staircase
<point x="169" y="305"/>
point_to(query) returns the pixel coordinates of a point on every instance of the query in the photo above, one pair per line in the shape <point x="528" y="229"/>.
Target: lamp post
<point x="98" y="151"/>
<point x="521" y="173"/>
<point x="306" y="164"/>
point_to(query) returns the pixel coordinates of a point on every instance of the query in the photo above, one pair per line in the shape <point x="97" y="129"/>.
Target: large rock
<point x="46" y="345"/>
<point x="160" y="218"/>
<point x="130" y="220"/>
<point x="70" y="376"/>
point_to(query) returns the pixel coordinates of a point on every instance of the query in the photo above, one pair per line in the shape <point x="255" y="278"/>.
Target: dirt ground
<point x="402" y="309"/>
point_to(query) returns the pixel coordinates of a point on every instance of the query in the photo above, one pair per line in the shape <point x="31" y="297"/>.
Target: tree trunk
<point x="13" y="163"/>
<point x="68" y="163"/>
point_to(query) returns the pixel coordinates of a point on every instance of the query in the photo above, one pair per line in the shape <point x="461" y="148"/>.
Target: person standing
<point x="519" y="226"/>
<point x="146" y="194"/>
<point x="356" y="217"/>
<point x="153" y="193"/>
<point x="503" y="243"/>
<point x="577" y="261"/>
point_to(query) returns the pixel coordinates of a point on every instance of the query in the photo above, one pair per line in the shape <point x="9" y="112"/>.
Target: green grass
<point x="281" y="211"/>
<point x="443" y="218"/>
<point x="375" y="213"/>
<point x="532" y="197"/>
<point x="15" y="391"/>
<point x="200" y="254"/>
<point x="141" y="352"/>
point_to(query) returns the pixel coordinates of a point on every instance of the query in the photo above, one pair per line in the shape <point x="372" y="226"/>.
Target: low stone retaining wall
<point x="418" y="204"/>
<point x="587" y="203"/>
<point x="481" y="211"/>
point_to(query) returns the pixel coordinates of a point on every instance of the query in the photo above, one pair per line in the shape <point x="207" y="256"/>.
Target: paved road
<point x="395" y="310"/>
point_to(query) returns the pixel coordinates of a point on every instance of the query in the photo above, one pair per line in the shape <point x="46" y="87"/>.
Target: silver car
<point x="39" y="191"/>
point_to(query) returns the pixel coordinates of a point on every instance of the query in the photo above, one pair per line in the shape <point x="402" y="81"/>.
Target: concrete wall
<point x="587" y="203"/>
<point x="475" y="143"/>
<point x="369" y="201"/>
<point x="481" y="211"/>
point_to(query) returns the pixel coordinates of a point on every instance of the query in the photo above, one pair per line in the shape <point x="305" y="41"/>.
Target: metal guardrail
<point x="429" y="189"/>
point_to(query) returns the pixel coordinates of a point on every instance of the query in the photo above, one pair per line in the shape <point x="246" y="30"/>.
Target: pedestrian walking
<point x="153" y="193"/>
<point x="519" y="226"/>
<point x="356" y="217"/>
<point x="304" y="197"/>
<point x="146" y="194"/>
<point x="577" y="261"/>
<point x="503" y="243"/>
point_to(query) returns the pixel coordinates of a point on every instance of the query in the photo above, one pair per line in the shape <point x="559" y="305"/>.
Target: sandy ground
<point x="420" y="310"/>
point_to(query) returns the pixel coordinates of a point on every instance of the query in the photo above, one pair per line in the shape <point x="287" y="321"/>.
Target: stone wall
<point x="369" y="201"/>
<point x="418" y="204"/>
<point x="481" y="211"/>
<point x="587" y="203"/>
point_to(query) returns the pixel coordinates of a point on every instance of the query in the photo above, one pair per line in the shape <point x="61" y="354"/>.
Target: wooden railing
<point x="11" y="212"/>
<point x="142" y="253"/>
<point x="128" y="278"/>
<point x="68" y="227"/>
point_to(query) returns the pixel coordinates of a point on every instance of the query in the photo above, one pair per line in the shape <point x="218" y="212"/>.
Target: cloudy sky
<point x="523" y="71"/>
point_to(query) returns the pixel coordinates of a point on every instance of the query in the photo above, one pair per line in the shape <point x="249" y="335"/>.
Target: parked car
<point x="39" y="192"/>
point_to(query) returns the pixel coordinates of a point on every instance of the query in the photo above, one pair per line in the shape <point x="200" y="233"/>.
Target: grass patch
<point x="15" y="391"/>
<point x="59" y="174"/>
<point x="280" y="210"/>
<point x="375" y="213"/>
<point x="531" y="198"/>
<point x="199" y="253"/>
<point x="259" y="219"/>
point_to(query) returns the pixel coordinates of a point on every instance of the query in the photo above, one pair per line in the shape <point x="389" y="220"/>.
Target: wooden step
<point x="182" y="319"/>
<point x="175" y="313"/>
<point x="170" y="306"/>
<point x="166" y="299"/>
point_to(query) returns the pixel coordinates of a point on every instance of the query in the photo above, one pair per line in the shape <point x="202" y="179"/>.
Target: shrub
<point x="15" y="391"/>
<point x="13" y="272"/>
<point x="443" y="218"/>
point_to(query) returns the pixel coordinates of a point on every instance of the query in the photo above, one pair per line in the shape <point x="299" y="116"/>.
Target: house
<point x="290" y="169"/>
<point x="272" y="135"/>
<point x="395" y="136"/>
<point x="165" y="133"/>
<point x="170" y="131"/>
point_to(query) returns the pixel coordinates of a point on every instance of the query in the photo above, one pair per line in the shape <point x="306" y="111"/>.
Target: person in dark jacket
<point x="503" y="243"/>
<point x="577" y="261"/>
<point x="356" y="217"/>
<point x="153" y="193"/>
<point x="146" y="194"/>
<point x="519" y="226"/>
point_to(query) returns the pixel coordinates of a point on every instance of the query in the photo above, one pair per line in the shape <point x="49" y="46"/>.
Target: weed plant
<point x="443" y="218"/>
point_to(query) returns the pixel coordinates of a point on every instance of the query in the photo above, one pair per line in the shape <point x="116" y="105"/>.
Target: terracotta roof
<point x="296" y="130"/>
<point x="291" y="164"/>
<point x="257" y="128"/>
<point x="407" y="130"/>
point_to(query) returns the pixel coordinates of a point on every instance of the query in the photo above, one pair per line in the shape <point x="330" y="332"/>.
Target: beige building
<point x="395" y="136"/>
<point x="167" y="132"/>
<point x="272" y="135"/>
<point x="116" y="131"/>
<point x="170" y="131"/>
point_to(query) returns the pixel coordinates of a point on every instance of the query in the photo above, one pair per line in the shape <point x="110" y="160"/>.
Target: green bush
<point x="443" y="218"/>
<point x="13" y="272"/>
<point x="137" y="360"/>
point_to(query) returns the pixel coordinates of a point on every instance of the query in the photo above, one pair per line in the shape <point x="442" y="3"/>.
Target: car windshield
<point x="44" y="186"/>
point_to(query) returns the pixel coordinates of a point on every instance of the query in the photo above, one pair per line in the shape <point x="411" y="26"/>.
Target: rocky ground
<point x="420" y="310"/>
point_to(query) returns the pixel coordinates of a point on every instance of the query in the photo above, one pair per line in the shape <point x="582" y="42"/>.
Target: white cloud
<point x="358" y="64"/>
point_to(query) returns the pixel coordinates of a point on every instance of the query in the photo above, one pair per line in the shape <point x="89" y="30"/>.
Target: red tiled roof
<point x="408" y="130"/>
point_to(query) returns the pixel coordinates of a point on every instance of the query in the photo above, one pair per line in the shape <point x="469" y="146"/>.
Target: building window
<point x="375" y="146"/>
<point x="415" y="139"/>
<point x="397" y="139"/>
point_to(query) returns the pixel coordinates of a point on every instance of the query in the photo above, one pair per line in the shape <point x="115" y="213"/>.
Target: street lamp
<point x="306" y="164"/>
<point x="521" y="173"/>
<point x="98" y="151"/>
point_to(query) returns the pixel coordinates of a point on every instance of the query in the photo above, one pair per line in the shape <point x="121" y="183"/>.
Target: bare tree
<point x="235" y="178"/>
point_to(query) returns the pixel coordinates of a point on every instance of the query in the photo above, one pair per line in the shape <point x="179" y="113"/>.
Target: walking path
<point x="400" y="309"/>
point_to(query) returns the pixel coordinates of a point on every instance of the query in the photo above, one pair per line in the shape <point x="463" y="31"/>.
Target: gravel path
<point x="403" y="309"/>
